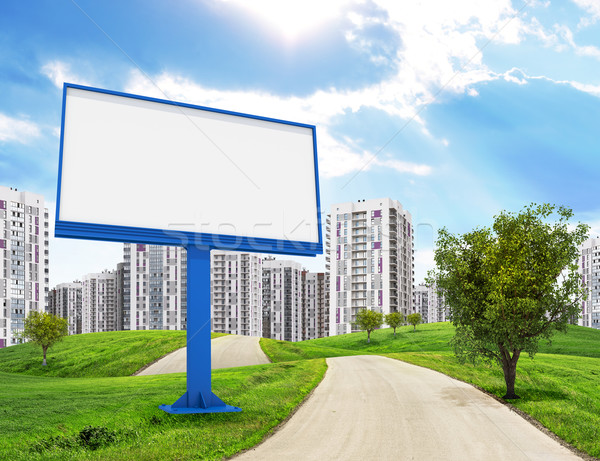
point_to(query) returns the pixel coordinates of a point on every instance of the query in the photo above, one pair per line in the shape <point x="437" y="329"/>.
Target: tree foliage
<point x="394" y="320"/>
<point x="414" y="320"/>
<point x="44" y="329"/>
<point x="368" y="320"/>
<point x="510" y="286"/>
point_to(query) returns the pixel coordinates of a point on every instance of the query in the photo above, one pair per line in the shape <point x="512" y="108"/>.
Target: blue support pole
<point x="199" y="397"/>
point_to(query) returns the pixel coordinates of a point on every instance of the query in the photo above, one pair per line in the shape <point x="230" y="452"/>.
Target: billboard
<point x="145" y="170"/>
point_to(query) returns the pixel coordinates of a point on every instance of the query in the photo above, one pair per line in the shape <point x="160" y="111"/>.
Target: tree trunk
<point x="368" y="336"/>
<point x="394" y="332"/>
<point x="44" y="349"/>
<point x="415" y="327"/>
<point x="509" y="367"/>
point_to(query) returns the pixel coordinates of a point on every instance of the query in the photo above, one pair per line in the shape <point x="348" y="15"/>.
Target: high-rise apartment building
<point x="99" y="302"/>
<point x="154" y="287"/>
<point x="315" y="305"/>
<point x="24" y="260"/>
<point x="589" y="269"/>
<point x="66" y="301"/>
<point x="282" y="299"/>
<point x="370" y="259"/>
<point x="421" y="303"/>
<point x="236" y="293"/>
<point x="437" y="305"/>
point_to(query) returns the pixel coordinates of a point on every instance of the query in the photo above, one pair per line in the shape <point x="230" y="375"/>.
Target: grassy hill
<point x="115" y="353"/>
<point x="433" y="337"/>
<point x="91" y="415"/>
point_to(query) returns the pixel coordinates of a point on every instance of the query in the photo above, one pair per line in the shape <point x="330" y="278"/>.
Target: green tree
<point x="502" y="285"/>
<point x="414" y="320"/>
<point x="368" y="320"/>
<point x="44" y="329"/>
<point x="394" y="320"/>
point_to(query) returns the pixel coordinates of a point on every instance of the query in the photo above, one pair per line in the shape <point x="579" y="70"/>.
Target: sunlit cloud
<point x="292" y="19"/>
<point x="60" y="72"/>
<point x="17" y="130"/>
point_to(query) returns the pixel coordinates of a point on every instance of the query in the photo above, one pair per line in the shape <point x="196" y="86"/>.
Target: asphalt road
<point x="226" y="351"/>
<point x="376" y="408"/>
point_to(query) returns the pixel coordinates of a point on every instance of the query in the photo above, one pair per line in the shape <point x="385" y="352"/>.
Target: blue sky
<point x="456" y="109"/>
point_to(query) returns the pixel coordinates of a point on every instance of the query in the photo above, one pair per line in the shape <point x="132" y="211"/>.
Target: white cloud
<point x="582" y="50"/>
<point x="60" y="72"/>
<point x="12" y="129"/>
<point x="337" y="157"/>
<point x="592" y="7"/>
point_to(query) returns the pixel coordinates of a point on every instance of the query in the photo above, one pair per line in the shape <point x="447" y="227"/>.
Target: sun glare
<point x="293" y="19"/>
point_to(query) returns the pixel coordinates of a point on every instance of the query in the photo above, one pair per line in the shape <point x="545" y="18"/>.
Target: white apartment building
<point x="66" y="301"/>
<point x="24" y="260"/>
<point x="236" y="293"/>
<point x="282" y="299"/>
<point x="99" y="302"/>
<point x="315" y="302"/>
<point x="154" y="287"/>
<point x="370" y="259"/>
<point x="589" y="269"/>
<point x="429" y="304"/>
<point x="421" y="304"/>
<point x="437" y="306"/>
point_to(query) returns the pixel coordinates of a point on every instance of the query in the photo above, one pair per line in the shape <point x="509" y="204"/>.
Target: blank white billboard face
<point x="142" y="163"/>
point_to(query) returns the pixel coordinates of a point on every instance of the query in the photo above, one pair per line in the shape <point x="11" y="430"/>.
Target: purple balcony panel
<point x="380" y="298"/>
<point x="337" y="283"/>
<point x="2" y="243"/>
<point x="584" y="279"/>
<point x="377" y="213"/>
<point x="141" y="248"/>
<point x="37" y="221"/>
<point x="338" y="232"/>
<point x="3" y="205"/>
<point x="2" y="343"/>
<point x="376" y="245"/>
<point x="37" y="230"/>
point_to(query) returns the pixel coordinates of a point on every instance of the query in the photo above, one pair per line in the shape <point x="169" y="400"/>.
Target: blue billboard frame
<point x="198" y="397"/>
<point x="104" y="232"/>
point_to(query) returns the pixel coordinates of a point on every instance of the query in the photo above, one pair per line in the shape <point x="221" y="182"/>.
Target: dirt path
<point x="226" y="351"/>
<point x="371" y="407"/>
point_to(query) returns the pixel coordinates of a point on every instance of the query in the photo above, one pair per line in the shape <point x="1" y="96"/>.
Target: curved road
<point x="226" y="351"/>
<point x="372" y="407"/>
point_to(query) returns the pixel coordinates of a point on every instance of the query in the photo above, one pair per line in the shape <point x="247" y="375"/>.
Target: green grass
<point x="46" y="418"/>
<point x="560" y="387"/>
<point x="115" y="353"/>
<point x="99" y="417"/>
<point x="432" y="337"/>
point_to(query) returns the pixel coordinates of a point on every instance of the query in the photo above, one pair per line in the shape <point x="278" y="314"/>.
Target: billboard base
<point x="199" y="397"/>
